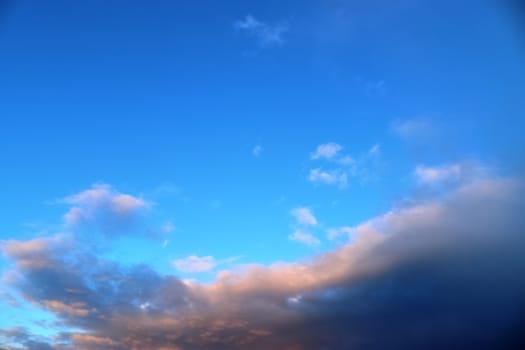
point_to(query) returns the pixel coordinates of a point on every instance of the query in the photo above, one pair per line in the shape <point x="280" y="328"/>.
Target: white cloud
<point x="346" y="161"/>
<point x="104" y="207"/>
<point x="304" y="237"/>
<point x="327" y="150"/>
<point x="374" y="150"/>
<point x="430" y="175"/>
<point x="416" y="128"/>
<point x="329" y="177"/>
<point x="304" y="216"/>
<point x="195" y="263"/>
<point x="449" y="173"/>
<point x="257" y="150"/>
<point x="337" y="232"/>
<point x="342" y="167"/>
<point x="167" y="228"/>
<point x="266" y="34"/>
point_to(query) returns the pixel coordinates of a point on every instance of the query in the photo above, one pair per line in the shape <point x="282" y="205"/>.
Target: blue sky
<point x="196" y="137"/>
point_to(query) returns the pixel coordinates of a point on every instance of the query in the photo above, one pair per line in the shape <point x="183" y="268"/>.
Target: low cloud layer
<point x="439" y="274"/>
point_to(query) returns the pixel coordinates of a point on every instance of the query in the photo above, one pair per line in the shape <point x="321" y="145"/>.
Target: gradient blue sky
<point x="211" y="113"/>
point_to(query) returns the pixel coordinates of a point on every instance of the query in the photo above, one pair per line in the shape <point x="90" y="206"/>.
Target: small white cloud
<point x="104" y="207"/>
<point x="266" y="34"/>
<point x="329" y="177"/>
<point x="374" y="150"/>
<point x="195" y="263"/>
<point x="346" y="161"/>
<point x="304" y="216"/>
<point x="257" y="150"/>
<point x="432" y="175"/>
<point x="165" y="243"/>
<point x="304" y="237"/>
<point x="167" y="228"/>
<point x="416" y="128"/>
<point x="450" y="174"/>
<point x="337" y="232"/>
<point x="327" y="150"/>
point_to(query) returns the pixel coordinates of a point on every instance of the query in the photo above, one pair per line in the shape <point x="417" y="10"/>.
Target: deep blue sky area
<point x="242" y="132"/>
<point x="143" y="94"/>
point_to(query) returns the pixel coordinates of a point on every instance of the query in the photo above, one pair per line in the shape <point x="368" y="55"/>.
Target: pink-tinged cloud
<point x="441" y="273"/>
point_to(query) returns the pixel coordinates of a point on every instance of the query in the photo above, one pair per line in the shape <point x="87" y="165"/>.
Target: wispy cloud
<point x="257" y="150"/>
<point x="375" y="150"/>
<point x="326" y="150"/>
<point x="339" y="168"/>
<point x="337" y="232"/>
<point x="195" y="263"/>
<point x="329" y="177"/>
<point x="304" y="216"/>
<point x="266" y="34"/>
<point x="414" y="128"/>
<point x="449" y="174"/>
<point x="304" y="221"/>
<point x="304" y="237"/>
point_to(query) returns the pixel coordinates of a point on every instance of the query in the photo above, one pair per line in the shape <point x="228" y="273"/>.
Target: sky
<point x="290" y="175"/>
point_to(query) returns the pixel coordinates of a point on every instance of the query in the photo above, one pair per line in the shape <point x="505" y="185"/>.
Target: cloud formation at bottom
<point x="441" y="274"/>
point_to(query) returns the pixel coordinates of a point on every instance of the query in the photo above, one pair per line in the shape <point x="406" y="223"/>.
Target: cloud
<point x="23" y="337"/>
<point x="376" y="88"/>
<point x="327" y="150"/>
<point x="304" y="216"/>
<point x="103" y="208"/>
<point x="453" y="173"/>
<point x="374" y="150"/>
<point x="195" y="263"/>
<point x="328" y="177"/>
<point x="419" y="128"/>
<point x="440" y="273"/>
<point x="304" y="237"/>
<point x="266" y="34"/>
<point x="257" y="150"/>
<point x="340" y="168"/>
<point x="337" y="232"/>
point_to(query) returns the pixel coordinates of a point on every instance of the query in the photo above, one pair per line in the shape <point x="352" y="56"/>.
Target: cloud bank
<point x="442" y="273"/>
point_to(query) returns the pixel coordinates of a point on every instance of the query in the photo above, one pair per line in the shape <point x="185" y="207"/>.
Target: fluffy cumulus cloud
<point x="103" y="208"/>
<point x="441" y="273"/>
<point x="266" y="34"/>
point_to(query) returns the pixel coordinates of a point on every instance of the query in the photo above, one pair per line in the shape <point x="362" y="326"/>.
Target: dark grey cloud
<point x="444" y="273"/>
